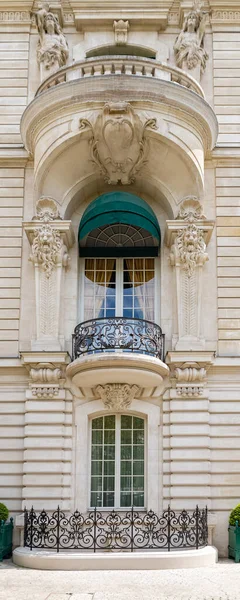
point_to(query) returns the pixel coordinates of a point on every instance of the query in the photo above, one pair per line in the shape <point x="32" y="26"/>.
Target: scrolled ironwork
<point x="118" y="333"/>
<point x="116" y="530"/>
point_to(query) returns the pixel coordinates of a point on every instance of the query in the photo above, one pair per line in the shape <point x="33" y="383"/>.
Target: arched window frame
<point x="81" y="477"/>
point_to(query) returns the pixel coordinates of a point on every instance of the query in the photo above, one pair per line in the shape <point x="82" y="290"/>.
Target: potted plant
<point x="6" y="530"/>
<point x="234" y="534"/>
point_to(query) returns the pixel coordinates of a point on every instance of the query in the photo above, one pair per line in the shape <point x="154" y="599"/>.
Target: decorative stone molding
<point x="118" y="143"/>
<point x="15" y="17"/>
<point x="52" y="49"/>
<point x="187" y="238"/>
<point x="117" y="396"/>
<point x="50" y="241"/>
<point x="191" y="210"/>
<point x="46" y="210"/>
<point x="189" y="45"/>
<point x="189" y="249"/>
<point x="190" y="380"/>
<point x="121" y="32"/>
<point x="48" y="249"/>
<point x="46" y="378"/>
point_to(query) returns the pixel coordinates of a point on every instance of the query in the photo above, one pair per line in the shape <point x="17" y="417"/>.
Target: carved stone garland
<point x="117" y="396"/>
<point x="187" y="238"/>
<point x="118" y="144"/>
<point x="50" y="238"/>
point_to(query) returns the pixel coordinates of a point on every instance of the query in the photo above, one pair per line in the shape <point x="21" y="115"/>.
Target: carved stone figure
<point x="118" y="144"/>
<point x="52" y="48"/>
<point x="189" y="49"/>
<point x="117" y="396"/>
<point x="46" y="248"/>
<point x="190" y="248"/>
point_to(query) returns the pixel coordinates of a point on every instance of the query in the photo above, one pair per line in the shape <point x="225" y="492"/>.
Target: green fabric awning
<point x="119" y="207"/>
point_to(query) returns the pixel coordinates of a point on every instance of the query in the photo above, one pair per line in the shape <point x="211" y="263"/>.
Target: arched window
<point x="125" y="49"/>
<point x="119" y="237"/>
<point x="117" y="461"/>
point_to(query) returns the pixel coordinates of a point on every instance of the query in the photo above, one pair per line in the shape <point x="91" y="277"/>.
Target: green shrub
<point x="4" y="512"/>
<point x="235" y="515"/>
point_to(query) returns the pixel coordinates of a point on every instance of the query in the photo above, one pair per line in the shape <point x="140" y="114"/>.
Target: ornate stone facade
<point x="79" y="118"/>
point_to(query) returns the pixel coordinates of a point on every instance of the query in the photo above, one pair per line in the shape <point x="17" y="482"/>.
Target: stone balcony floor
<point x="221" y="582"/>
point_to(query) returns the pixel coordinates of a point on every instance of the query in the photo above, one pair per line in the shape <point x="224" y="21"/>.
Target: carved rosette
<point x="118" y="143"/>
<point x="187" y="238"/>
<point x="117" y="396"/>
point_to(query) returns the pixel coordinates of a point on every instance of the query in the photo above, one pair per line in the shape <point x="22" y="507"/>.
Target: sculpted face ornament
<point x="46" y="247"/>
<point x="118" y="145"/>
<point x="191" y="248"/>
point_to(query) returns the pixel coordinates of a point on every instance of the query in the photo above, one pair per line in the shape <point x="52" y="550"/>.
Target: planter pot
<point x="234" y="542"/>
<point x="6" y="531"/>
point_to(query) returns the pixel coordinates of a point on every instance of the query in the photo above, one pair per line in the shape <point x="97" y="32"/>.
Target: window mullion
<point x="117" y="461"/>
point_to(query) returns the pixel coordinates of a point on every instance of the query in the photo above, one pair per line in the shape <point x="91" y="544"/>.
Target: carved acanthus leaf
<point x="118" y="143"/>
<point x="117" y="396"/>
<point x="46" y="248"/>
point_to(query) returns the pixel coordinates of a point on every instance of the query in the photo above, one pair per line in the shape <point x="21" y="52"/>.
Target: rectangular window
<point x="119" y="287"/>
<point x="117" y="461"/>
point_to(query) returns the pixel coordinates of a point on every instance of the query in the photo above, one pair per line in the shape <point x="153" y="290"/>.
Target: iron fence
<point x="116" y="530"/>
<point x="118" y="333"/>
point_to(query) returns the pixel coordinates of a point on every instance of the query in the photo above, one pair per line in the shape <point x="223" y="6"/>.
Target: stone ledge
<point x="151" y="560"/>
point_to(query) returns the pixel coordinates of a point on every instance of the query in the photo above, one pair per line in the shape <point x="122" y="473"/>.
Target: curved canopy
<point x="133" y="223"/>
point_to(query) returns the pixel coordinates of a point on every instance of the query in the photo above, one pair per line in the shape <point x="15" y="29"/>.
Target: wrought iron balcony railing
<point x="116" y="530"/>
<point x="118" y="333"/>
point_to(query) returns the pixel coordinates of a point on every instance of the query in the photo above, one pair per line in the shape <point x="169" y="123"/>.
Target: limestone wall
<point x="201" y="453"/>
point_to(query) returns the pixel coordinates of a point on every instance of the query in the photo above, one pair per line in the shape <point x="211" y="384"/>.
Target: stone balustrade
<point x="121" y="65"/>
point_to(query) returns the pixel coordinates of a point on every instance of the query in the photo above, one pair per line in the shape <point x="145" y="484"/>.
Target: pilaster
<point x="50" y="239"/>
<point x="47" y="432"/>
<point x="186" y="431"/>
<point x="187" y="237"/>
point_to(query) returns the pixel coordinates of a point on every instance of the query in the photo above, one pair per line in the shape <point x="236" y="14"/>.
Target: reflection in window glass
<point x="117" y="461"/>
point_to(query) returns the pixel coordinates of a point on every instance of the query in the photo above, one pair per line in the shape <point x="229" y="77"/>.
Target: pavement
<point x="221" y="582"/>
